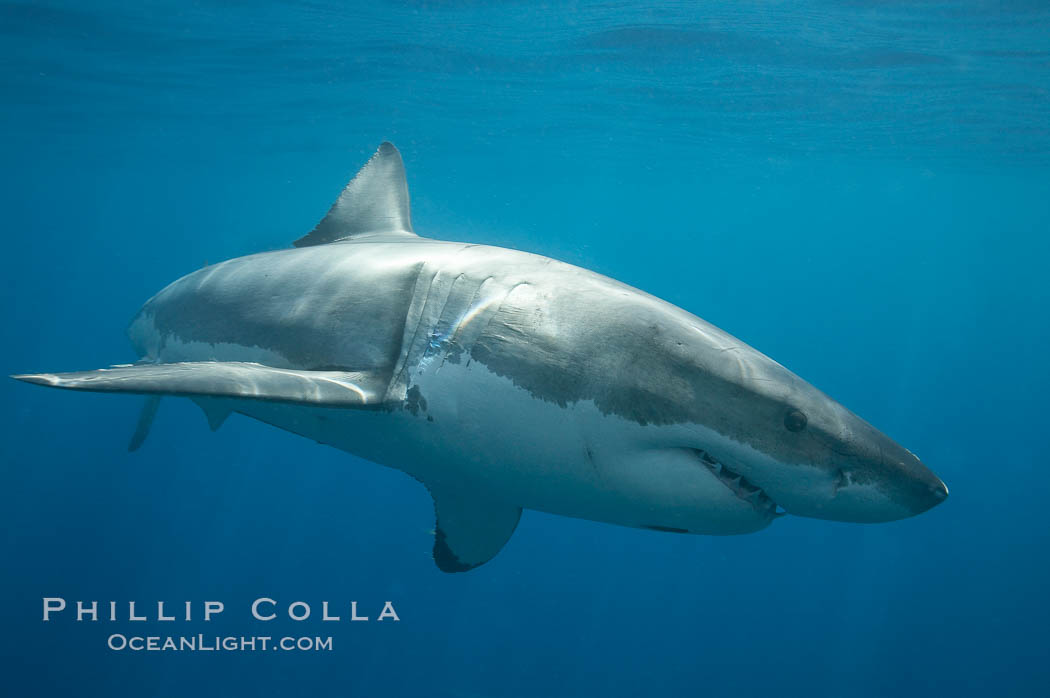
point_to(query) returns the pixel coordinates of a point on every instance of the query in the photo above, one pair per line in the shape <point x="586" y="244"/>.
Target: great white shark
<point x="503" y="381"/>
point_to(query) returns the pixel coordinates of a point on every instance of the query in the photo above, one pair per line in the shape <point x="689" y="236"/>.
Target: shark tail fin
<point x="374" y="203"/>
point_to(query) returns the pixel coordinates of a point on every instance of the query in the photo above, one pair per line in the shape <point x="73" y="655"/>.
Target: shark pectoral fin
<point x="244" y="381"/>
<point x="149" y="411"/>
<point x="471" y="529"/>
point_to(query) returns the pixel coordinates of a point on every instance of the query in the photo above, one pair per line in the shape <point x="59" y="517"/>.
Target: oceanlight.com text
<point x="216" y="643"/>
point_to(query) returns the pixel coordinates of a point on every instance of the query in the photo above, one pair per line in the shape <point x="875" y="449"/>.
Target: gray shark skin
<point x="503" y="380"/>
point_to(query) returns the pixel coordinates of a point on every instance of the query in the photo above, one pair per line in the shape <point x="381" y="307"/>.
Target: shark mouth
<point x="739" y="485"/>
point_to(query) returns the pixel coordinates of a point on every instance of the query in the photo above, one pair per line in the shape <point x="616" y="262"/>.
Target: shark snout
<point x="932" y="491"/>
<point x="867" y="478"/>
<point x="895" y="485"/>
<point x="906" y="479"/>
<point x="883" y="480"/>
<point x="939" y="491"/>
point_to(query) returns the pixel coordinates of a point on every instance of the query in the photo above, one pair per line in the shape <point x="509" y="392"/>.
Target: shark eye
<point x="795" y="421"/>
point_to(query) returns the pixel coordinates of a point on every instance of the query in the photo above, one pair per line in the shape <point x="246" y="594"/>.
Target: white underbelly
<point x="471" y="429"/>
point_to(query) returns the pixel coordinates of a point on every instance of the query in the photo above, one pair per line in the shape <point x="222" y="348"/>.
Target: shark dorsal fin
<point x="375" y="202"/>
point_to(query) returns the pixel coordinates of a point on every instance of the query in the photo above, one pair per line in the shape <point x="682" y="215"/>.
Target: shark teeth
<point x="736" y="483"/>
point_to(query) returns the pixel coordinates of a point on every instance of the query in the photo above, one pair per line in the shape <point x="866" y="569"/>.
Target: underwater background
<point x="858" y="189"/>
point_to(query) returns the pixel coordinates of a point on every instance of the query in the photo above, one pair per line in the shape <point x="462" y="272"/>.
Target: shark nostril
<point x="840" y="481"/>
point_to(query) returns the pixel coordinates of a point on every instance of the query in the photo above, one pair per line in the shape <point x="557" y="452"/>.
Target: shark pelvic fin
<point x="244" y="381"/>
<point x="471" y="528"/>
<point x="215" y="411"/>
<point x="374" y="203"/>
<point x="149" y="411"/>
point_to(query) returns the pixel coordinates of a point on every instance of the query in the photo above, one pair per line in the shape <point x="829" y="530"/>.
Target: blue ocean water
<point x="858" y="189"/>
